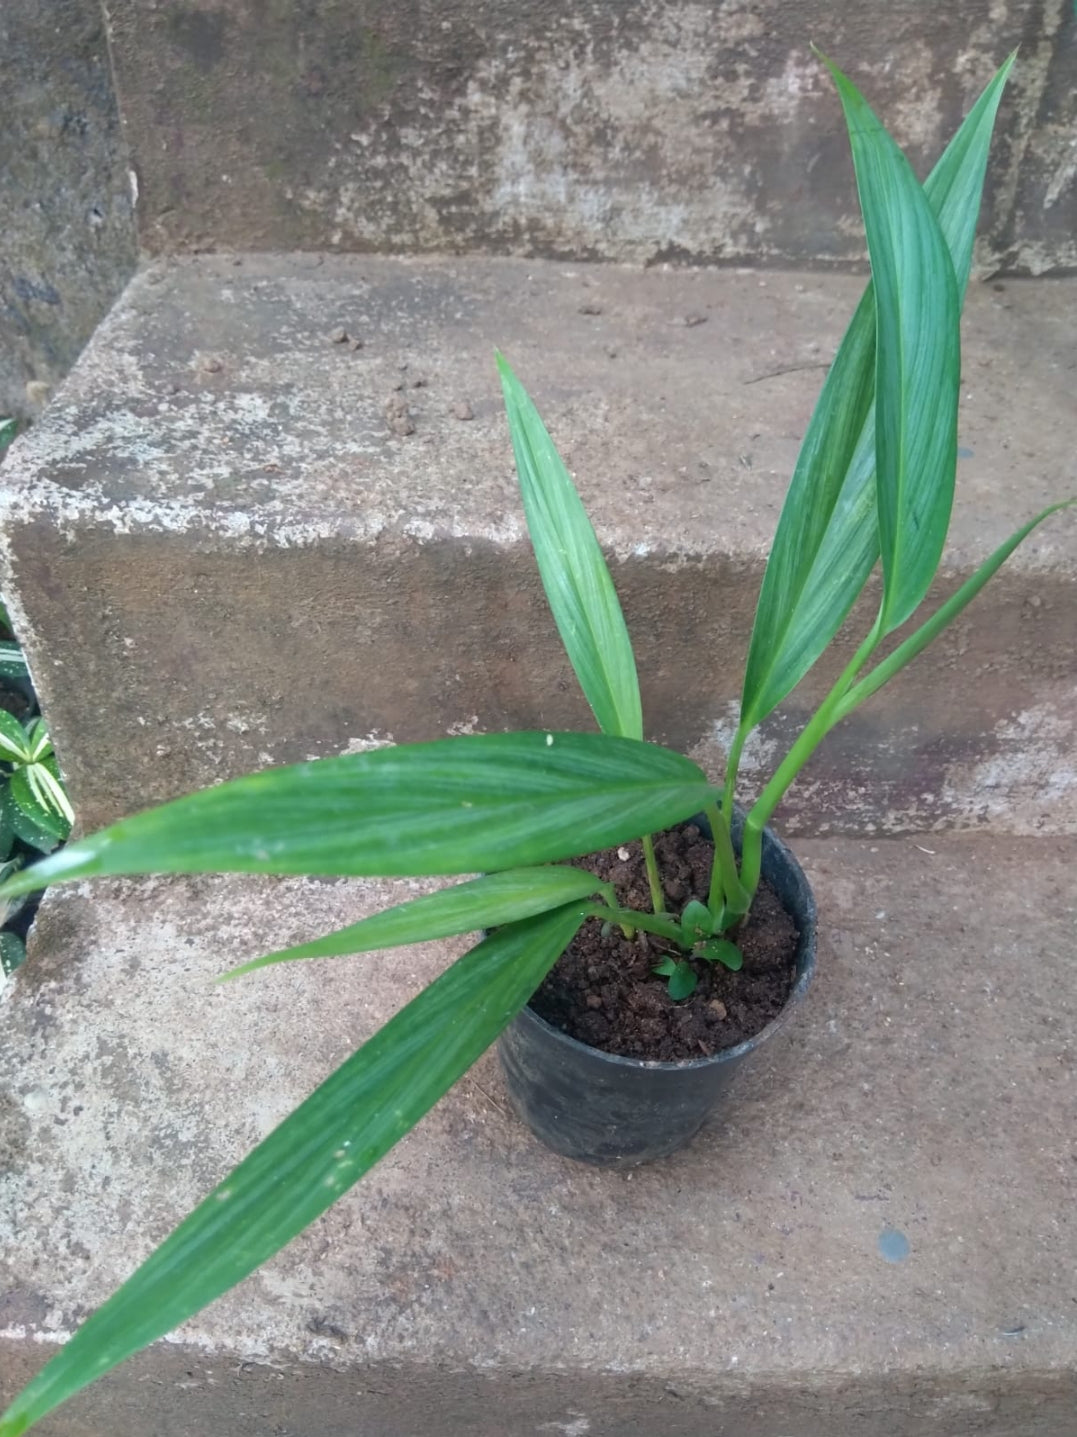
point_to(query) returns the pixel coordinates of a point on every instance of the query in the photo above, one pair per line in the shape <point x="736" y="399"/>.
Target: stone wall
<point x="668" y="129"/>
<point x="663" y="130"/>
<point x="68" y="243"/>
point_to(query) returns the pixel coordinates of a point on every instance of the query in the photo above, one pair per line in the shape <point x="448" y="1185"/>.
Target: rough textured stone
<point x="65" y="194"/>
<point x="221" y="554"/>
<point x="669" y="129"/>
<point x="1040" y="232"/>
<point x="475" y="1282"/>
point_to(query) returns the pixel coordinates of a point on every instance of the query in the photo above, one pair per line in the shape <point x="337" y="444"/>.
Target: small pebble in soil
<point x="211" y="364"/>
<point x="590" y="308"/>
<point x="463" y="410"/>
<point x="339" y="335"/>
<point x="691" y="320"/>
<point x="398" y="415"/>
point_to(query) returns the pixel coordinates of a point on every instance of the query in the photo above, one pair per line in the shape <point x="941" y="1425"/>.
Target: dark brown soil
<point x="603" y="992"/>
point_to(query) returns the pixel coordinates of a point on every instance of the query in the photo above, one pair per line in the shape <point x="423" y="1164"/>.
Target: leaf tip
<point x="825" y="59"/>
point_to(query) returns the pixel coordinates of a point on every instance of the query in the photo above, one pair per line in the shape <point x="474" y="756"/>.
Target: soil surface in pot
<point x="603" y="992"/>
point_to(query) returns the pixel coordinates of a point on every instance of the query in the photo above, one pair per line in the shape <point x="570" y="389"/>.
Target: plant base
<point x="602" y="1108"/>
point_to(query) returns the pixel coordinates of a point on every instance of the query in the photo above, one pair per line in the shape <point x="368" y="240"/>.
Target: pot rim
<point x="805" y="963"/>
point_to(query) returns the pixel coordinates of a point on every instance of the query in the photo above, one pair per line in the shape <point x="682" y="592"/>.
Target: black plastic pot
<point x="620" y="1112"/>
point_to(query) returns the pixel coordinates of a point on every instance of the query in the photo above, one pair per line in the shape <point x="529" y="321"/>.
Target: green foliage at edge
<point x="481" y="802"/>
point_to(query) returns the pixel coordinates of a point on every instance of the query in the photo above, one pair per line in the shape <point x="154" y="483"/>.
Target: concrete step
<point x="674" y="130"/>
<point x="221" y="553"/>
<point x="876" y="1239"/>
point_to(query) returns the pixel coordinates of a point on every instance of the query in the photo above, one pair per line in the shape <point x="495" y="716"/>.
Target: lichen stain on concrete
<point x="687" y="131"/>
<point x="1025" y="780"/>
<point x="915" y="111"/>
<point x="588" y="147"/>
<point x="1019" y="778"/>
<point x="1034" y="149"/>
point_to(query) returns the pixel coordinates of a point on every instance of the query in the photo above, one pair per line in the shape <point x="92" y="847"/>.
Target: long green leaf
<point x="481" y="802"/>
<point x="827" y="541"/>
<point x="574" y="574"/>
<point x="917" y="360"/>
<point x="943" y="615"/>
<point x="312" y="1158"/>
<point x="485" y="902"/>
<point x="799" y="607"/>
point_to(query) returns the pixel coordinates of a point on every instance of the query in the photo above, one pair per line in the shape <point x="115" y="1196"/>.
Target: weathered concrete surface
<point x="1040" y="232"/>
<point x="671" y="129"/>
<point x="68" y="243"/>
<point x="475" y="1283"/>
<point x="221" y="555"/>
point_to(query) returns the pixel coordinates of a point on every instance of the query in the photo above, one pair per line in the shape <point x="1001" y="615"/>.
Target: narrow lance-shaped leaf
<point x="574" y="574"/>
<point x="485" y="902"/>
<point x="312" y="1158"/>
<point x="943" y="615"/>
<point x="481" y="802"/>
<point x="796" y="606"/>
<point x="827" y="537"/>
<point x="917" y="360"/>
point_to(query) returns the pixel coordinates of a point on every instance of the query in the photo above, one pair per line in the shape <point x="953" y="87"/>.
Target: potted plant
<point x="874" y="482"/>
